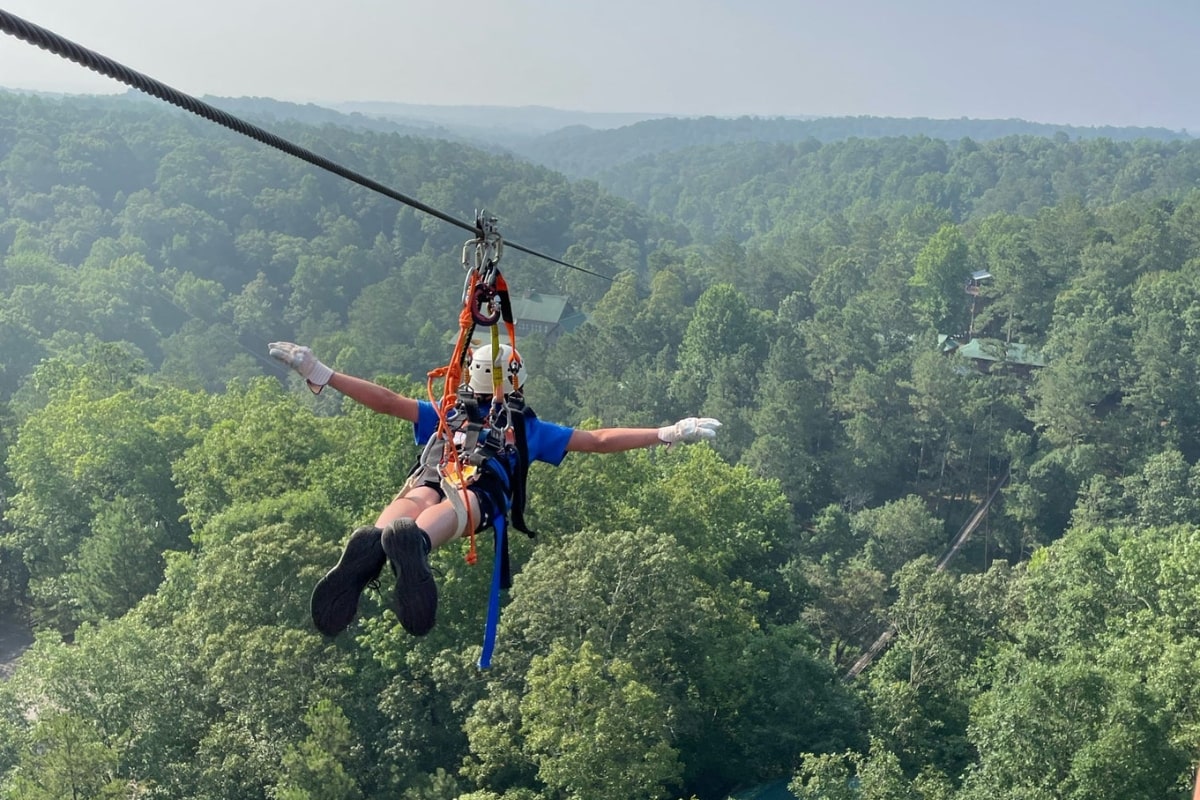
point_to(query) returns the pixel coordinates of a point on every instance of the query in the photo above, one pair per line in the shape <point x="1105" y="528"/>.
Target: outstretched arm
<point x="375" y="397"/>
<point x="616" y="440"/>
<point x="612" y="440"/>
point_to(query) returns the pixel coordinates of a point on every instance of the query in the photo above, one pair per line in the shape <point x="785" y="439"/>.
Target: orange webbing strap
<point x="452" y="375"/>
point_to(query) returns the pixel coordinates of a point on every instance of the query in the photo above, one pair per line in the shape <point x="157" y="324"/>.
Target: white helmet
<point x="480" y="370"/>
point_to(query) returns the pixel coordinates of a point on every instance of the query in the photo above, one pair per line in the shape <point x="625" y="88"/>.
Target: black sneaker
<point x="335" y="598"/>
<point x="416" y="592"/>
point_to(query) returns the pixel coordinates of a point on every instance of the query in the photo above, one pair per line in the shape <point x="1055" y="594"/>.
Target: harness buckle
<point x="461" y="475"/>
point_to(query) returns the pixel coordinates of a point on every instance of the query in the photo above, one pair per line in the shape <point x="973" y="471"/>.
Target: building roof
<point x="538" y="307"/>
<point x="1024" y="354"/>
<point x="541" y="311"/>
<point x="573" y="320"/>
<point x="994" y="350"/>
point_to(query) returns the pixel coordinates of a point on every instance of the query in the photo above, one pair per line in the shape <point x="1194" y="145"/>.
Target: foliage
<point x="682" y="622"/>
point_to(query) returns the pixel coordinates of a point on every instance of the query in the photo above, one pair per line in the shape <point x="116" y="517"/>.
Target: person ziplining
<point x="479" y="441"/>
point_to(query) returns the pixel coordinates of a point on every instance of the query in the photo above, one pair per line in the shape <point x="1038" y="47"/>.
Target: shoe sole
<point x="416" y="591"/>
<point x="335" y="598"/>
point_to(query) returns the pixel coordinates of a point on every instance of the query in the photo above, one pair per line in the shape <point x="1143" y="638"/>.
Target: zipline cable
<point x="48" y="40"/>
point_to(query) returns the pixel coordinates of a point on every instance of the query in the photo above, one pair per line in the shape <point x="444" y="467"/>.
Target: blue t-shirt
<point x="545" y="441"/>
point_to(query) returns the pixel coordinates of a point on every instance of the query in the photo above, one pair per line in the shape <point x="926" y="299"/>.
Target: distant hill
<point x="583" y="144"/>
<point x="264" y="109"/>
<point x="313" y="114"/>
<point x="521" y="120"/>
<point x="584" y="152"/>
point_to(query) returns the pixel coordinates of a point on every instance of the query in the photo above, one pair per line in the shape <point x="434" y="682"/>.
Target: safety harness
<point x="471" y="439"/>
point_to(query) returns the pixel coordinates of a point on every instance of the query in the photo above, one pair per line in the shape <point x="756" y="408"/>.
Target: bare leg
<point x="440" y="521"/>
<point x="409" y="505"/>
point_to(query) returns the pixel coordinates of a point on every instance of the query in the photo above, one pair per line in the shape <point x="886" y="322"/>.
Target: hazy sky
<point x="1079" y="62"/>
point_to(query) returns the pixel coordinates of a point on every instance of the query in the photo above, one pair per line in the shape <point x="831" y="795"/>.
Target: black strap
<point x="521" y="439"/>
<point x="505" y="564"/>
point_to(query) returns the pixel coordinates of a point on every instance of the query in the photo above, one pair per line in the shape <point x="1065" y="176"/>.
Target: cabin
<point x="546" y="315"/>
<point x="988" y="354"/>
<point x="549" y="315"/>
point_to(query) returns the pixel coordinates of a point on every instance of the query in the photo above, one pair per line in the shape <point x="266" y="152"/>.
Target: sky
<point x="1066" y="62"/>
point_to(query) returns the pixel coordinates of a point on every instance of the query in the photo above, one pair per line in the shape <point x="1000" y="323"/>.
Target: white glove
<point x="692" y="429"/>
<point x="303" y="361"/>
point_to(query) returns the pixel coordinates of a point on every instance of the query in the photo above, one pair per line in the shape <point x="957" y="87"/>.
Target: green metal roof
<point x="983" y="349"/>
<point x="572" y="321"/>
<point x="994" y="350"/>
<point x="1024" y="354"/>
<point x="538" y="307"/>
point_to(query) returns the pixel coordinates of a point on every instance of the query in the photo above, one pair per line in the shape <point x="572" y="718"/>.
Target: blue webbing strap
<point x="493" y="614"/>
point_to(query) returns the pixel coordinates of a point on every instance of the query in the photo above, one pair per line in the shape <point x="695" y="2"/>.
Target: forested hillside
<point x="581" y="152"/>
<point x="889" y="329"/>
<point x="772" y="191"/>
